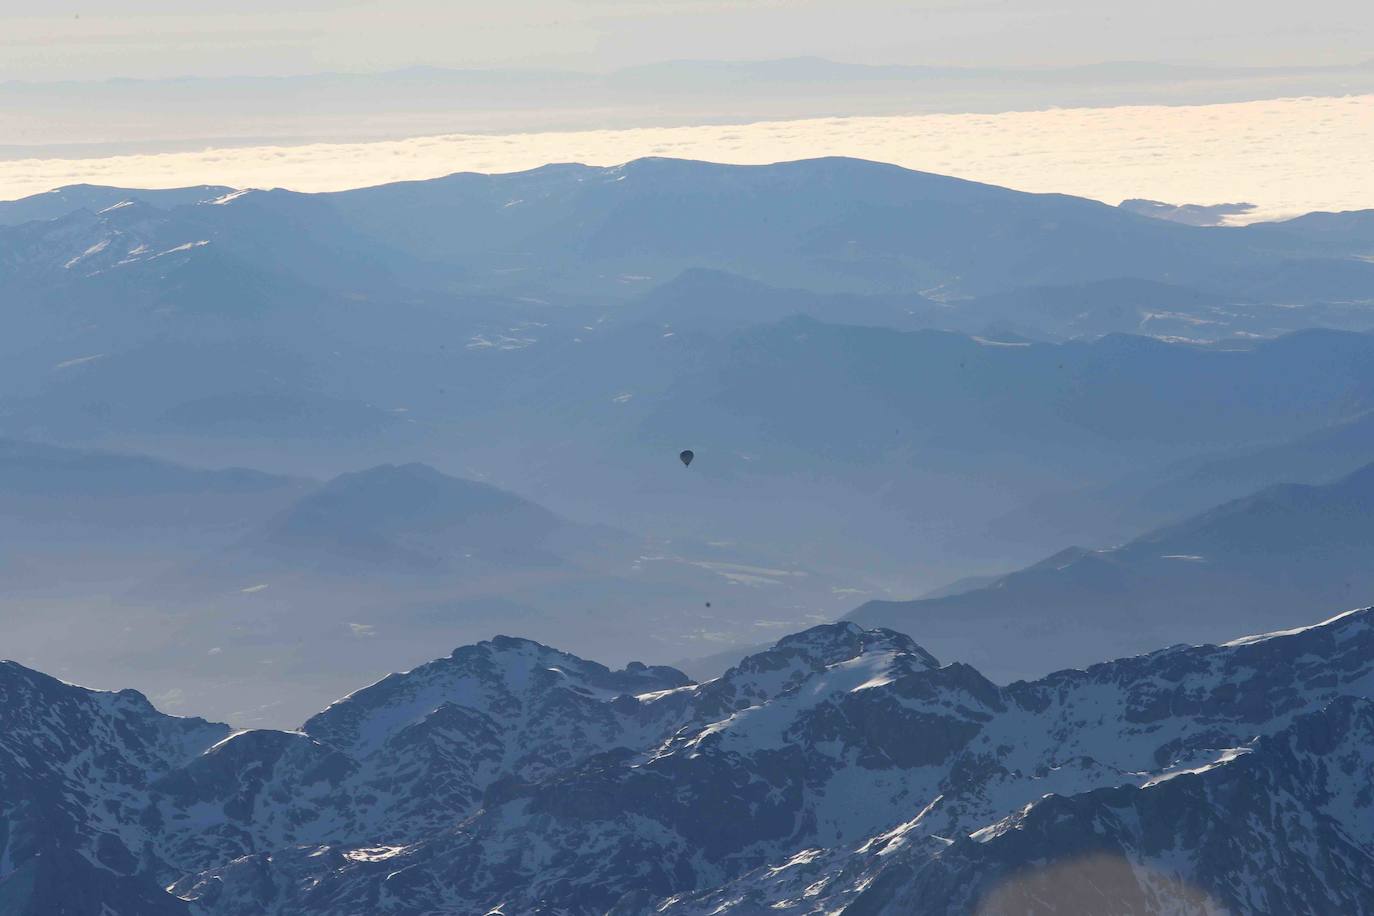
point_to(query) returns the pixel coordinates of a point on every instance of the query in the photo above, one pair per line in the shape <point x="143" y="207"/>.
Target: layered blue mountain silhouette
<point x="1196" y="580"/>
<point x="891" y="380"/>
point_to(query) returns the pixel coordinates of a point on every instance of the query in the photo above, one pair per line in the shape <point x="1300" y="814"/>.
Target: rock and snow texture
<point x="843" y="770"/>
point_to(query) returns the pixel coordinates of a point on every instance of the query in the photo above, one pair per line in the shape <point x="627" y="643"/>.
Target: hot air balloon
<point x="687" y="457"/>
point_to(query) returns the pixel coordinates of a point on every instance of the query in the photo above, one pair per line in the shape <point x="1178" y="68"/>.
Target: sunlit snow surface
<point x="1288" y="156"/>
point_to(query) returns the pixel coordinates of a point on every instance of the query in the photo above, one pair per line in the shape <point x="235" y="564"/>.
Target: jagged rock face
<point x="1284" y="827"/>
<point x="429" y="742"/>
<point x="843" y="769"/>
<point x="76" y="768"/>
<point x="156" y="797"/>
<point x="1275" y="814"/>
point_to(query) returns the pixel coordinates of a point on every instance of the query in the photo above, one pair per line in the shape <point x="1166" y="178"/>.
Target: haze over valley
<point x="857" y="440"/>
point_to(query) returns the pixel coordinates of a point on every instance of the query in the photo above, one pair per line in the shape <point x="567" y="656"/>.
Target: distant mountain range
<point x="43" y="484"/>
<point x="1240" y="564"/>
<point x="190" y="574"/>
<point x="823" y="224"/>
<point x="891" y="380"/>
<point x="80" y="519"/>
<point x="1155" y="496"/>
<point x="99" y="198"/>
<point x="843" y="769"/>
<point x="379" y="564"/>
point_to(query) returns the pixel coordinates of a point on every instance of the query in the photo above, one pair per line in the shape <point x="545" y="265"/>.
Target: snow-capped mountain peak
<point x="842" y="767"/>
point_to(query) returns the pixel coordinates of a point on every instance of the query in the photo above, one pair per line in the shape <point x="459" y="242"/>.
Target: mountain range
<point x="891" y="380"/>
<point x="1287" y="542"/>
<point x="188" y="575"/>
<point x="192" y="574"/>
<point x="837" y="224"/>
<point x="842" y="770"/>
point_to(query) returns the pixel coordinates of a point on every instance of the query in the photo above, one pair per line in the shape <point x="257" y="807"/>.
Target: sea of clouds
<point x="1287" y="156"/>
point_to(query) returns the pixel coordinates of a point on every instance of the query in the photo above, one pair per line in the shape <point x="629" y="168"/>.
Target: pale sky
<point x="99" y="39"/>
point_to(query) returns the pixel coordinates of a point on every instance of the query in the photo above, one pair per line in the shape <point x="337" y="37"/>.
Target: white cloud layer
<point x="1287" y="156"/>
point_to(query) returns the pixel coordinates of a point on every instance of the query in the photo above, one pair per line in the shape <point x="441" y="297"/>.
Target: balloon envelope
<point x="687" y="457"/>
